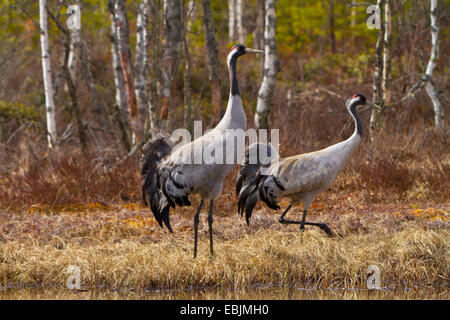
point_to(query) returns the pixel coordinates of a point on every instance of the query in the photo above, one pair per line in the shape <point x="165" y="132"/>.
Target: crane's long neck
<point x="357" y="119"/>
<point x="347" y="147"/>
<point x="234" y="116"/>
<point x="234" y="86"/>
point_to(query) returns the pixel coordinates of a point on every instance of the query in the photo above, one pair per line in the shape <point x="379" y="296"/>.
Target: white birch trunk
<point x="142" y="63"/>
<point x="232" y="19"/>
<point x="271" y="67"/>
<point x="47" y="76"/>
<point x="377" y="91"/>
<point x="119" y="82"/>
<point x="74" y="62"/>
<point x="239" y="26"/>
<point x="387" y="53"/>
<point x="432" y="91"/>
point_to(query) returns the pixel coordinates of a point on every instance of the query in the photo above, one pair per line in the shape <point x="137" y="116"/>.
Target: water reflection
<point x="262" y="293"/>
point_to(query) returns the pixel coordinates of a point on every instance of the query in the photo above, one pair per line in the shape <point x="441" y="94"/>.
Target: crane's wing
<point x="305" y="172"/>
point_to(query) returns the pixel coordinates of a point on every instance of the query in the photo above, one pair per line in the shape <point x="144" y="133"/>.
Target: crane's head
<point x="239" y="50"/>
<point x="356" y="100"/>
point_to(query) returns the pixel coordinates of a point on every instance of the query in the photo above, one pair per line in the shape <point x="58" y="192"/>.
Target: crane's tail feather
<point x="153" y="152"/>
<point x="165" y="217"/>
<point x="250" y="205"/>
<point x="244" y="195"/>
<point x="257" y="155"/>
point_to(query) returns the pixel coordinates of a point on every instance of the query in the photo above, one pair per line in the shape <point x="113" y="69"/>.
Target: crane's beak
<point x="248" y="50"/>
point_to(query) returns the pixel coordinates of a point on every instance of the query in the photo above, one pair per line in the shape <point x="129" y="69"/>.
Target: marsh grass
<point x="124" y="248"/>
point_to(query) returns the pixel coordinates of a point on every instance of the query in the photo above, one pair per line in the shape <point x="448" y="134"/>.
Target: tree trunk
<point x="432" y="91"/>
<point x="70" y="82"/>
<point x="74" y="97"/>
<point x="353" y="14"/>
<point x="74" y="62"/>
<point x="377" y="93"/>
<point x="232" y="27"/>
<point x="271" y="68"/>
<point x="173" y="33"/>
<point x="121" y="21"/>
<point x="239" y="25"/>
<point x="259" y="30"/>
<point x="47" y="76"/>
<point x="121" y="94"/>
<point x="142" y="64"/>
<point x="387" y="53"/>
<point x="187" y="86"/>
<point x="213" y="60"/>
<point x="331" y="26"/>
<point x="153" y="119"/>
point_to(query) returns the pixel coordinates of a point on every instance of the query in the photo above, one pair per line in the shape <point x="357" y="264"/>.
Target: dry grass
<point x="121" y="246"/>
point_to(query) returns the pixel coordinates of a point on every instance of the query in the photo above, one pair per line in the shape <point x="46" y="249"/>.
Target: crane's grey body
<point x="306" y="175"/>
<point x="301" y="177"/>
<point x="206" y="178"/>
<point x="199" y="167"/>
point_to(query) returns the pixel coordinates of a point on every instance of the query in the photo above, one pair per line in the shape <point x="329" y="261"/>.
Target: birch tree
<point x="377" y="93"/>
<point x="121" y="21"/>
<point x="239" y="23"/>
<point x="187" y="87"/>
<point x="232" y="19"/>
<point x="236" y="30"/>
<point x="47" y="76"/>
<point x="173" y="34"/>
<point x="71" y="83"/>
<point x="271" y="67"/>
<point x="430" y="88"/>
<point x="142" y="64"/>
<point x="74" y="62"/>
<point x="119" y="82"/>
<point x="213" y="60"/>
<point x="156" y="70"/>
<point x="387" y="53"/>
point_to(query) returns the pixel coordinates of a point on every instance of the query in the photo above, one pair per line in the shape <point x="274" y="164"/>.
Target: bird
<point x="169" y="174"/>
<point x="300" y="178"/>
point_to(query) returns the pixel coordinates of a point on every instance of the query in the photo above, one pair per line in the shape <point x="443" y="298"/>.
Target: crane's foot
<point x="325" y="228"/>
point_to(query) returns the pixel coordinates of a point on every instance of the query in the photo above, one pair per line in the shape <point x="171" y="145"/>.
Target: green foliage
<point x="19" y="111"/>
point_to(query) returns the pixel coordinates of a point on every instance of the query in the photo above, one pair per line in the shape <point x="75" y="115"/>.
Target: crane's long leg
<point x="302" y="223"/>
<point x="196" y="219"/>
<point x="210" y="222"/>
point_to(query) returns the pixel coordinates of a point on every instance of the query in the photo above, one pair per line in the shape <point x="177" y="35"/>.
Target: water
<point x="261" y="293"/>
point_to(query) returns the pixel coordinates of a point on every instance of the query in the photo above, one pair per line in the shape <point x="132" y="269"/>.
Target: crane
<point x="169" y="173"/>
<point x="300" y="177"/>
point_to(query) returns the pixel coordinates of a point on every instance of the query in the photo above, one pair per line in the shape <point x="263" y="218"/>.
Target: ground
<point x="120" y="246"/>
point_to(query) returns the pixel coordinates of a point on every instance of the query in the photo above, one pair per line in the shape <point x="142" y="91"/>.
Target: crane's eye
<point x="233" y="47"/>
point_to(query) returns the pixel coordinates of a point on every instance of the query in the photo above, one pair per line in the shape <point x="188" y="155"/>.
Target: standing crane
<point x="299" y="178"/>
<point x="170" y="175"/>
